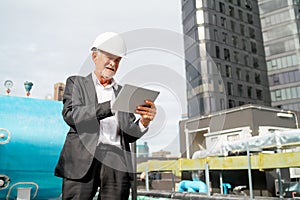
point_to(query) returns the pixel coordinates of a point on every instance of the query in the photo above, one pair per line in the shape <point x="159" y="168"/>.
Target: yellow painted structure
<point x="259" y="161"/>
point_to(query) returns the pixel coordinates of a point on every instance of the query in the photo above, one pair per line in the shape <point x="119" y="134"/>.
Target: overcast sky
<point x="45" y="41"/>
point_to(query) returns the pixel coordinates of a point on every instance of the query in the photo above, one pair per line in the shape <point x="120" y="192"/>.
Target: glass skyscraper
<point x="225" y="60"/>
<point x="281" y="28"/>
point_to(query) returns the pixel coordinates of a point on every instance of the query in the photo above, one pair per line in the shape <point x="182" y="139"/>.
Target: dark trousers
<point x="106" y="172"/>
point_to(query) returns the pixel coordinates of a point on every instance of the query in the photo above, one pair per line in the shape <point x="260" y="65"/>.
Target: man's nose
<point x="112" y="62"/>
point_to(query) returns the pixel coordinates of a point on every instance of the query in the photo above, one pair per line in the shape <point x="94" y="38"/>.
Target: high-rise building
<point x="281" y="28"/>
<point x="225" y="60"/>
<point x="59" y="89"/>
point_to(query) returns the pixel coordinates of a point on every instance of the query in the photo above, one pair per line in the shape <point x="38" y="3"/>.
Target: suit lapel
<point x="117" y="88"/>
<point x="90" y="87"/>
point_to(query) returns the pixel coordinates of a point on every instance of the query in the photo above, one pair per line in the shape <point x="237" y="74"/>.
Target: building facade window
<point x="221" y="86"/>
<point x="240" y="13"/>
<point x="247" y="76"/>
<point x="216" y="38"/>
<point x="222" y="104"/>
<point x="217" y="52"/>
<point x="288" y="93"/>
<point x="234" y="40"/>
<point x="253" y="47"/>
<point x="219" y="68"/>
<point x="246" y="60"/>
<point x="231" y="103"/>
<point x="244" y="44"/>
<point x="242" y="29"/>
<point x="238" y="74"/>
<point x="240" y="90"/>
<point x="224" y="37"/>
<point x="248" y="4"/>
<point x="214" y="19"/>
<point x="213" y="4"/>
<point x="228" y="71"/>
<point x="276" y="80"/>
<point x="231" y="11"/>
<point x="232" y="24"/>
<point x="193" y="107"/>
<point x="257" y="78"/>
<point x="226" y="54"/>
<point x="196" y="82"/>
<point x="249" y="18"/>
<point x="283" y="62"/>
<point x="251" y="32"/>
<point x="249" y="92"/>
<point x="236" y="56"/>
<point x="223" y="22"/>
<point x="280" y="47"/>
<point x="192" y="72"/>
<point x="229" y="88"/>
<point x="259" y="95"/>
<point x="255" y="62"/>
<point x="293" y="106"/>
<point x="283" y="31"/>
<point x="284" y="78"/>
<point x="276" y="18"/>
<point x="272" y="5"/>
<point x="222" y="7"/>
<point x="277" y="95"/>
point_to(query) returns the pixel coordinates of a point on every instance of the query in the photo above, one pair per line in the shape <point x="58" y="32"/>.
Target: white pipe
<point x="147" y="178"/>
<point x="221" y="183"/>
<point x="249" y="172"/>
<point x="187" y="145"/>
<point x="207" y="178"/>
<point x="23" y="183"/>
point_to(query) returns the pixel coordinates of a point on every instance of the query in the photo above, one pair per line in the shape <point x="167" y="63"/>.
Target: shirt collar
<point x="97" y="82"/>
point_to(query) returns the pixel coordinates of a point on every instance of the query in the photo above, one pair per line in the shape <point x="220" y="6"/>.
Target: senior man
<point x="96" y="152"/>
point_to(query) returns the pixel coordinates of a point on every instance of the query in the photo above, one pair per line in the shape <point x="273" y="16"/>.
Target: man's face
<point x="106" y="63"/>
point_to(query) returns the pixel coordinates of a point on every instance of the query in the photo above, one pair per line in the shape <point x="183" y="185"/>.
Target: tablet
<point x="132" y="96"/>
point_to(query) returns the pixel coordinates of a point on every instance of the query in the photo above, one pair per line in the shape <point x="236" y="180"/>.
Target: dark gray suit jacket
<point x="82" y="113"/>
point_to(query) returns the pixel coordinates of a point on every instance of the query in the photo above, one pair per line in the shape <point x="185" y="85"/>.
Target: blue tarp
<point x="37" y="133"/>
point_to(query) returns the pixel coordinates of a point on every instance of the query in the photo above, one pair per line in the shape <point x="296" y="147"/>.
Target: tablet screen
<point x="132" y="96"/>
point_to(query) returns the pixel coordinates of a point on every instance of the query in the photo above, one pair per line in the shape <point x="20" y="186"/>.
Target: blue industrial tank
<point x="32" y="133"/>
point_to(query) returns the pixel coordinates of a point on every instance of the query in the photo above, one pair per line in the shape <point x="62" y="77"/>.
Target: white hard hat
<point x="110" y="42"/>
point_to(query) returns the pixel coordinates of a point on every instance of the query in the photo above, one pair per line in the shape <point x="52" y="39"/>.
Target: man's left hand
<point x="147" y="112"/>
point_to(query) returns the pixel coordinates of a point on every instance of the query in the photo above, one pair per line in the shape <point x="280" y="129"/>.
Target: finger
<point x="148" y="117"/>
<point x="144" y="108"/>
<point x="150" y="103"/>
<point x="144" y="113"/>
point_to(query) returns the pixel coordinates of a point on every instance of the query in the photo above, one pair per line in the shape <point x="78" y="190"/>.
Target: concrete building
<point x="203" y="136"/>
<point x="161" y="153"/>
<point x="281" y="29"/>
<point x="234" y="124"/>
<point x="225" y="60"/>
<point x="59" y="89"/>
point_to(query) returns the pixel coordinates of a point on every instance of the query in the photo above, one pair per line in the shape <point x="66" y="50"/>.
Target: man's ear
<point x="94" y="55"/>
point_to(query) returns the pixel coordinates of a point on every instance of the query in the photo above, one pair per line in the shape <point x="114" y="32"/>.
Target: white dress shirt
<point x="109" y="125"/>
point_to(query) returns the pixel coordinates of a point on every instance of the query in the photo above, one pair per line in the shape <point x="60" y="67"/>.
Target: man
<point x="96" y="150"/>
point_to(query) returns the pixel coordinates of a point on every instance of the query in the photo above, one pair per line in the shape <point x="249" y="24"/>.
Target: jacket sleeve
<point x="75" y="110"/>
<point x="130" y="127"/>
